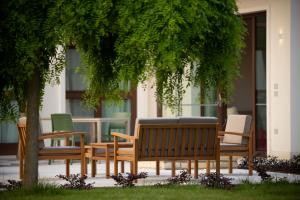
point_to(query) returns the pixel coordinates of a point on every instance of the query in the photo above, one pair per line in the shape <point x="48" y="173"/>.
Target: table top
<point x="92" y="119"/>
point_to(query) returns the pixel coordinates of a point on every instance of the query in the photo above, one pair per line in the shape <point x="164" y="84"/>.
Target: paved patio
<point x="9" y="169"/>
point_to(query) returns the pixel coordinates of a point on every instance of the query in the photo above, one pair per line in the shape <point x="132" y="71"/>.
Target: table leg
<point x="93" y="164"/>
<point x="107" y="163"/>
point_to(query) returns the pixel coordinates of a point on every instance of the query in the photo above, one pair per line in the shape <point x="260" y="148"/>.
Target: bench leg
<point x="157" y="168"/>
<point x="67" y="167"/>
<point x="135" y="167"/>
<point x="207" y="167"/>
<point x="195" y="169"/>
<point x="230" y="165"/>
<point x="173" y="167"/>
<point x="189" y="166"/>
<point x="131" y="167"/>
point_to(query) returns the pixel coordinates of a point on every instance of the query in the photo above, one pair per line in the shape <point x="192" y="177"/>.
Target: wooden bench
<point x="170" y="139"/>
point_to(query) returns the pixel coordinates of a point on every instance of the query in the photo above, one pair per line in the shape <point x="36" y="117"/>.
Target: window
<point x="75" y="89"/>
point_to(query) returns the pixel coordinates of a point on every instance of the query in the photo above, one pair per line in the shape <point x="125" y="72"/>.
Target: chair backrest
<point x="194" y="138"/>
<point x="62" y="122"/>
<point x="22" y="134"/>
<point x="119" y="125"/>
<point x="237" y="124"/>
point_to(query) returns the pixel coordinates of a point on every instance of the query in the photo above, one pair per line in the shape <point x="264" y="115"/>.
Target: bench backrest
<point x="194" y="138"/>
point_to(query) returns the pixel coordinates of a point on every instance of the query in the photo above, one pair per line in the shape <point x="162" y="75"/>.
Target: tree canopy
<point x="119" y="41"/>
<point x="196" y="41"/>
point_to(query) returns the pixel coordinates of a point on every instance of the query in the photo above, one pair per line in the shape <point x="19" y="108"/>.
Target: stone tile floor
<point x="9" y="169"/>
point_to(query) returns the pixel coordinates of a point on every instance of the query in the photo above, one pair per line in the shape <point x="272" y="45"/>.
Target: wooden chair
<point x="49" y="153"/>
<point x="170" y="140"/>
<point x="237" y="139"/>
<point x="116" y="125"/>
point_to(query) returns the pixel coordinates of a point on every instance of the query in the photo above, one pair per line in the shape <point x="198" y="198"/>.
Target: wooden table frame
<point x="107" y="156"/>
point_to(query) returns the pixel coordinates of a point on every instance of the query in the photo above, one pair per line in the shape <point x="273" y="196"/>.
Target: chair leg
<point x="122" y="166"/>
<point x="218" y="167"/>
<point x="195" y="169"/>
<point x="173" y="167"/>
<point x="115" y="167"/>
<point x="107" y="163"/>
<point x="189" y="166"/>
<point x="230" y="164"/>
<point x="207" y="167"/>
<point x="67" y="167"/>
<point x="83" y="166"/>
<point x="107" y="168"/>
<point x="157" y="168"/>
<point x="250" y="163"/>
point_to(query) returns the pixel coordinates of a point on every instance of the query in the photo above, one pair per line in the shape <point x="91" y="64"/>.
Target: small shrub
<point x="128" y="179"/>
<point x="11" y="185"/>
<point x="213" y="180"/>
<point x="262" y="173"/>
<point x="75" y="181"/>
<point x="272" y="163"/>
<point x="182" y="178"/>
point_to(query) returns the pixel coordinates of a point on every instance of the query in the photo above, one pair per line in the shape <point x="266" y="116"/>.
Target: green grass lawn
<point x="245" y="191"/>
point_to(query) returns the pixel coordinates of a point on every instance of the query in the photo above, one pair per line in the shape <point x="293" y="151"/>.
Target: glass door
<point x="250" y="88"/>
<point x="260" y="82"/>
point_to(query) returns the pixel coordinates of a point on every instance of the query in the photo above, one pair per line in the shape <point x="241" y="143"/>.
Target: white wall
<point x="146" y="101"/>
<point x="295" y="73"/>
<point x="54" y="101"/>
<point x="281" y="50"/>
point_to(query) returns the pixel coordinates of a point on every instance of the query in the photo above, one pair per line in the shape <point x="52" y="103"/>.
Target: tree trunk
<point x="32" y="131"/>
<point x="221" y="111"/>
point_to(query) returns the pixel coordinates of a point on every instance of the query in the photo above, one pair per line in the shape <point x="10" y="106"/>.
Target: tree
<point x="124" y="40"/>
<point x="29" y="58"/>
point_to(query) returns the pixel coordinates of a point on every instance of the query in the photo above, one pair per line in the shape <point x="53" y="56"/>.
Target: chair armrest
<point x="59" y="134"/>
<point x="124" y="136"/>
<point x="221" y="133"/>
<point x="239" y="134"/>
<point x="120" y="144"/>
